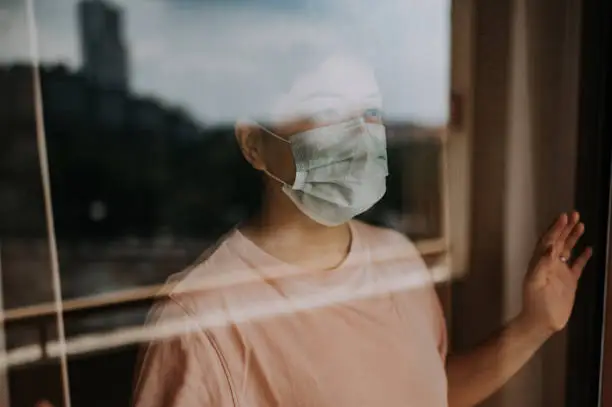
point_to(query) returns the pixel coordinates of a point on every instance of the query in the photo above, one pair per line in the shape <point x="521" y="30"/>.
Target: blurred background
<point x="136" y="101"/>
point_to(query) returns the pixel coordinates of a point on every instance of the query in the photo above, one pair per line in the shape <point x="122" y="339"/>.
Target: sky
<point x="223" y="59"/>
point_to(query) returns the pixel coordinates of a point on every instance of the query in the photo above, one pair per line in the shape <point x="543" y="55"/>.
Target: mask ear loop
<point x="275" y="178"/>
<point x="272" y="134"/>
<point x="265" y="171"/>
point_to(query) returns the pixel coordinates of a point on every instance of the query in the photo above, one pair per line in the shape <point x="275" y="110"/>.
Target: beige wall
<point x="523" y="157"/>
<point x="520" y="200"/>
<point x="541" y="165"/>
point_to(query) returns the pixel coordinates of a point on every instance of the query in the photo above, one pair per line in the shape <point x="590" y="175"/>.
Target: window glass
<point x="140" y="102"/>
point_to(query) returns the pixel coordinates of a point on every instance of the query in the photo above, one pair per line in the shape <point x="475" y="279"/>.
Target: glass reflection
<point x="140" y="103"/>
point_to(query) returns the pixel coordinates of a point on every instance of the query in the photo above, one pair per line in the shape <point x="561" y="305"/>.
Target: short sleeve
<point x="183" y="370"/>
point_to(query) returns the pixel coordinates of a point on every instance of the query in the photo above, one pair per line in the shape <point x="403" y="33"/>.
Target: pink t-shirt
<point x="242" y="328"/>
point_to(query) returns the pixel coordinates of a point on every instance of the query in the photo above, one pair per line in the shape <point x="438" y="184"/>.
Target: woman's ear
<point x="248" y="137"/>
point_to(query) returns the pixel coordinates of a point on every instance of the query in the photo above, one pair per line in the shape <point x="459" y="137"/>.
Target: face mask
<point x="340" y="170"/>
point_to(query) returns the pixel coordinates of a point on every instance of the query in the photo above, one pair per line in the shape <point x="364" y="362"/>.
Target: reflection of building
<point x="96" y="122"/>
<point x="152" y="168"/>
<point x="104" y="144"/>
<point x="69" y="97"/>
<point x="105" y="59"/>
<point x="156" y="173"/>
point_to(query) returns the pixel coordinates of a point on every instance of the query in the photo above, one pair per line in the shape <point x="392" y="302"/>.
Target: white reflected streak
<point x="212" y="282"/>
<point x="41" y="143"/>
<point x="21" y="356"/>
<point x="140" y="334"/>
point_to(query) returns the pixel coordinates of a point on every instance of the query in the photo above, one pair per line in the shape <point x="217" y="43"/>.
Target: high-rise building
<point x="103" y="50"/>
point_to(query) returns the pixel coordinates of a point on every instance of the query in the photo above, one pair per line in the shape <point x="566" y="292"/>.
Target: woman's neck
<point x="284" y="231"/>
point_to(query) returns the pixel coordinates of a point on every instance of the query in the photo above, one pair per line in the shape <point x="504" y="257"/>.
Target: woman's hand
<point x="552" y="278"/>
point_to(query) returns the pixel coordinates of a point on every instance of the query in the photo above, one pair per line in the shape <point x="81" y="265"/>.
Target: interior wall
<point x="487" y="181"/>
<point x="541" y="160"/>
<point x="523" y="164"/>
<point x="521" y="220"/>
<point x="477" y="305"/>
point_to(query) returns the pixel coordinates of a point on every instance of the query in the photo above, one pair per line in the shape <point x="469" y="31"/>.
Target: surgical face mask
<point x="341" y="170"/>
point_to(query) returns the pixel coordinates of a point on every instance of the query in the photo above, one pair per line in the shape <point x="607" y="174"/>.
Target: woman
<point x="303" y="306"/>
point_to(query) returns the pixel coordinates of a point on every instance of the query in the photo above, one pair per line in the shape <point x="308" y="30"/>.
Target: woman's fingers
<point x="581" y="261"/>
<point x="551" y="236"/>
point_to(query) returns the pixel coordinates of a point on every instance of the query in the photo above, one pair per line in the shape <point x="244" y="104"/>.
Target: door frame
<point x="4" y="382"/>
<point x="584" y="374"/>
